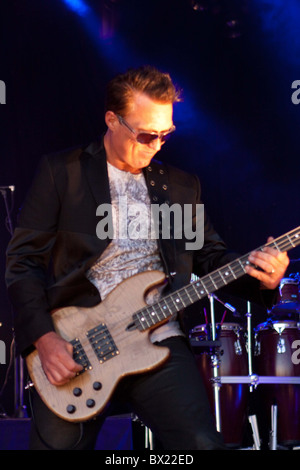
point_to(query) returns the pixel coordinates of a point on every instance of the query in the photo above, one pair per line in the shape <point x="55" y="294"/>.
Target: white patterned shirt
<point x="133" y="248"/>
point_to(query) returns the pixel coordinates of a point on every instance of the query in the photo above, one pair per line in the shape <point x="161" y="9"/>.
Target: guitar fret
<point x="291" y="241"/>
<point x="221" y="275"/>
<point x="164" y="308"/>
<point x="210" y="277"/>
<point x="232" y="271"/>
<point x="176" y="302"/>
<point x="146" y="319"/>
<point x="141" y="318"/>
<point x="198" y="284"/>
<point x="182" y="301"/>
<point x="163" y="312"/>
<point x="242" y="265"/>
<point x="190" y="298"/>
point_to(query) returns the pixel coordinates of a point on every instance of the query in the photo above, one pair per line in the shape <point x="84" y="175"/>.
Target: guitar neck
<point x="161" y="311"/>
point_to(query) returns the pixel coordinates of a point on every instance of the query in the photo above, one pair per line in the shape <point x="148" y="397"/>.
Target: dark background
<point x="237" y="127"/>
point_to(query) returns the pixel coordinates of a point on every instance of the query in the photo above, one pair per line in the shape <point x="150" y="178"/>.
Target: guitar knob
<point x="71" y="409"/>
<point x="90" y="403"/>
<point x="97" y="385"/>
<point x="77" y="392"/>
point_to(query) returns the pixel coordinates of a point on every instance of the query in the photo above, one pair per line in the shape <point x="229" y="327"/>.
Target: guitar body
<point x="122" y="352"/>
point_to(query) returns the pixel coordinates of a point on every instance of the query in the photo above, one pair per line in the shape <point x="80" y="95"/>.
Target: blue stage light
<point x="78" y="6"/>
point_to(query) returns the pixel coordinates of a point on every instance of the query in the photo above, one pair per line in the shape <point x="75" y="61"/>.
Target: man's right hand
<point x="56" y="358"/>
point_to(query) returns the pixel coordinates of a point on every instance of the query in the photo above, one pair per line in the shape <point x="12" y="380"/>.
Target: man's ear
<point x="111" y="120"/>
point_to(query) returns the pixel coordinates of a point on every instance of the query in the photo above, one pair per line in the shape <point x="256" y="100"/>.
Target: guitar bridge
<point x="102" y="343"/>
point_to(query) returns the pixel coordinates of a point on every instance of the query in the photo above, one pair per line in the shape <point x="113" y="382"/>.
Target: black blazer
<point x="55" y="240"/>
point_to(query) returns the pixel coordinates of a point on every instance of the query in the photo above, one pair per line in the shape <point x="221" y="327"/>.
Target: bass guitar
<point x="111" y="340"/>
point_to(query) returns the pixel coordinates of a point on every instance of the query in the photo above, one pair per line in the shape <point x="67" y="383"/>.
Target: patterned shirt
<point x="133" y="248"/>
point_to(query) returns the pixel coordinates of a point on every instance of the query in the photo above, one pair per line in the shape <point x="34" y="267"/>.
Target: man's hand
<point x="273" y="265"/>
<point x="56" y="358"/>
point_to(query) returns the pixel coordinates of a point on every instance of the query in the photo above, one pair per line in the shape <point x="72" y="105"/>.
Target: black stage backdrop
<point x="237" y="128"/>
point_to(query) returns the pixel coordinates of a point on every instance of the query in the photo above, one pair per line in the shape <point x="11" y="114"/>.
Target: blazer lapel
<point x="95" y="168"/>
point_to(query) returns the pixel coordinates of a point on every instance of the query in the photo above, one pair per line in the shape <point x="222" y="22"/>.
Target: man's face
<point x="123" y="151"/>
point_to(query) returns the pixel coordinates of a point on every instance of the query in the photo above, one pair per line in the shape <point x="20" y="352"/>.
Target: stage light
<point x="78" y="6"/>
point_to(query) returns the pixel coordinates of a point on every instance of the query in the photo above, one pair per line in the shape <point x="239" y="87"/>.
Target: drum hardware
<point x="249" y="341"/>
<point x="215" y="367"/>
<point x="256" y="380"/>
<point x="281" y="333"/>
<point x="280" y="327"/>
<point x="255" y="433"/>
<point x="281" y="349"/>
<point x="273" y="432"/>
<point x="238" y="347"/>
<point x="228" y="306"/>
<point x="252" y="418"/>
<point x="148" y="434"/>
<point x="148" y="439"/>
<point x="216" y="346"/>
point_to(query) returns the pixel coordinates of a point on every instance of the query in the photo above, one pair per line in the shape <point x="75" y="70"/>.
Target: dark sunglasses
<point x="147" y="137"/>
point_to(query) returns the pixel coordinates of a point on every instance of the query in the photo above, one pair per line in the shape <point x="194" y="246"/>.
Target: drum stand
<point x="215" y="367"/>
<point x="252" y="379"/>
<point x="218" y="380"/>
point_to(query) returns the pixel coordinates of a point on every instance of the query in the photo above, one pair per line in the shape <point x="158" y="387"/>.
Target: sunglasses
<point x="147" y="137"/>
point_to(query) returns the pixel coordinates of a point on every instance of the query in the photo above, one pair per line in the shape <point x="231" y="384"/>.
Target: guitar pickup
<point x="80" y="356"/>
<point x="102" y="343"/>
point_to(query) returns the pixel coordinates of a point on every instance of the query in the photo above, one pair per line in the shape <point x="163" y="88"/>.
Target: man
<point x="57" y="228"/>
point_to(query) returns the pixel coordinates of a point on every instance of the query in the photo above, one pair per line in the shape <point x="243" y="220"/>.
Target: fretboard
<point x="161" y="311"/>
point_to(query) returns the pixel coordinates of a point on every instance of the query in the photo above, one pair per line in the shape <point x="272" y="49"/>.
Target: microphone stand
<point x="19" y="407"/>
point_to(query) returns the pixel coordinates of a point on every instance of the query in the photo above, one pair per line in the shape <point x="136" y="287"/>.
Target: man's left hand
<point x="272" y="263"/>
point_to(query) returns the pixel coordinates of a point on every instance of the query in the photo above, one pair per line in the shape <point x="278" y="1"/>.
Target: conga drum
<point x="275" y="355"/>
<point x="232" y="360"/>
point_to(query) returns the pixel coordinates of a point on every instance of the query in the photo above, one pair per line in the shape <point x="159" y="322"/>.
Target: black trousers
<point x="171" y="401"/>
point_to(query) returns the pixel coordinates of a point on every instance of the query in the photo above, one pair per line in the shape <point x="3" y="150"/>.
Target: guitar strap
<point x="156" y="175"/>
